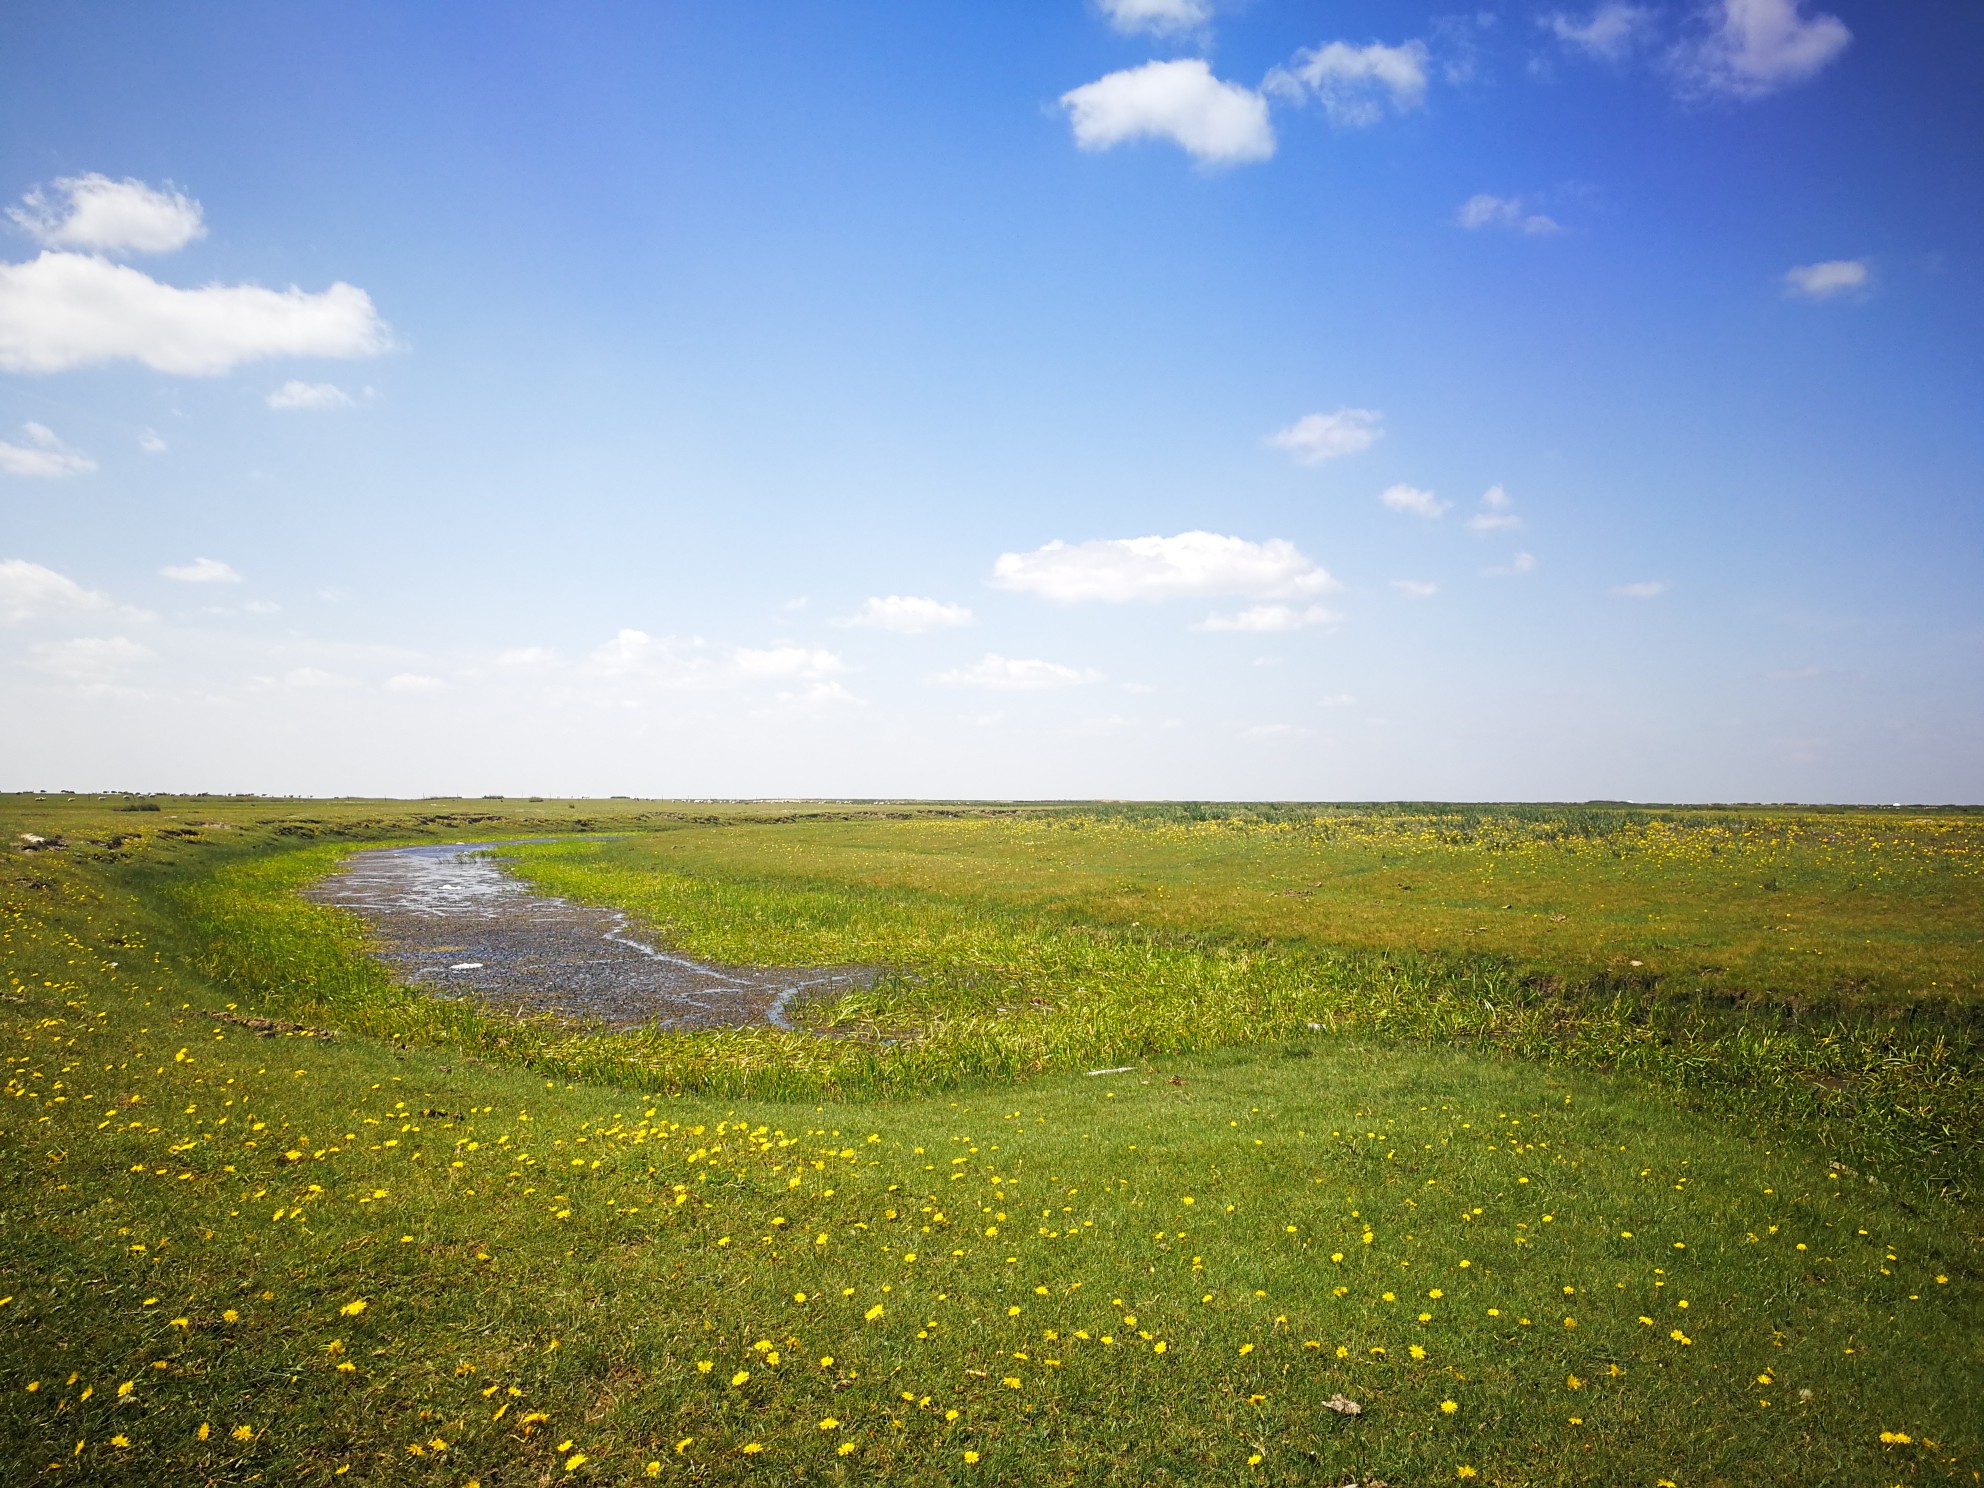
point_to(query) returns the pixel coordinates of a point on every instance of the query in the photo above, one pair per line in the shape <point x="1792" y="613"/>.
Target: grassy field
<point x="379" y="1238"/>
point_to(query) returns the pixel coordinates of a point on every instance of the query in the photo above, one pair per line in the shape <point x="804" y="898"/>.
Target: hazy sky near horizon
<point x="1134" y="398"/>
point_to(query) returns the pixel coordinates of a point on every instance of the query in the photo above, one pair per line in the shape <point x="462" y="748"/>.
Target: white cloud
<point x="674" y="664"/>
<point x="202" y="571"/>
<point x="30" y="592"/>
<point x="312" y="679"/>
<point x="63" y="310"/>
<point x="1416" y="588"/>
<point x="1353" y="83"/>
<point x="43" y="456"/>
<point x="1646" y="589"/>
<point x="1214" y="122"/>
<point x="998" y="673"/>
<point x="1156" y="17"/>
<point x="1495" y="515"/>
<point x="150" y="443"/>
<point x="1276" y="731"/>
<point x="1267" y="618"/>
<point x="1755" y="47"/>
<point x="413" y="682"/>
<point x="1339" y="700"/>
<point x="95" y="212"/>
<point x="1821" y="281"/>
<point x="1410" y="499"/>
<point x="295" y="394"/>
<point x="1192" y="565"/>
<point x="1610" y="31"/>
<point x="89" y="658"/>
<point x="785" y="663"/>
<point x="525" y="657"/>
<point x="1522" y="563"/>
<point x="909" y="614"/>
<point x="1317" y="437"/>
<point x="1484" y="210"/>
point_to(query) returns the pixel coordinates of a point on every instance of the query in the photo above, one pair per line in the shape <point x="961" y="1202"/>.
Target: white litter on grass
<point x="466" y="966"/>
<point x="1121" y="1069"/>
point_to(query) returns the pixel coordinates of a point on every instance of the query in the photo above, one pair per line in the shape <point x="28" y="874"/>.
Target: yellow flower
<point x="120" y="1440"/>
<point x="574" y="1462"/>
<point x="1464" y="1471"/>
<point x="243" y="1433"/>
<point x="969" y="1455"/>
<point x="844" y="1448"/>
<point x="753" y="1448"/>
<point x="202" y="1433"/>
<point x="653" y="1469"/>
<point x="684" y="1444"/>
<point x="828" y="1423"/>
<point x="352" y="1309"/>
<point x="873" y="1312"/>
<point x="1448" y="1407"/>
<point x="1255" y="1460"/>
<point x="704" y="1366"/>
<point x="740" y="1377"/>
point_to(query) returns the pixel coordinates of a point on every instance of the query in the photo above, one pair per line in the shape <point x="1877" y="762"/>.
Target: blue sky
<point x="1153" y="398"/>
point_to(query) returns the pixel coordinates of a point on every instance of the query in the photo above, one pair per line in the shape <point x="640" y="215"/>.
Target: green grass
<point x="1015" y="947"/>
<point x="164" y="1165"/>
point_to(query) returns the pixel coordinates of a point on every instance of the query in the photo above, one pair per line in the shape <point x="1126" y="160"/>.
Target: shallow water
<point x="448" y="919"/>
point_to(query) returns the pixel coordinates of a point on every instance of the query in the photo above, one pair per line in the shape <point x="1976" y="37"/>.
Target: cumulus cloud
<point x="784" y="663"/>
<point x="1522" y="563"/>
<point x="1156" y="17"/>
<point x="1192" y="565"/>
<point x="150" y="442"/>
<point x="674" y="664"/>
<point x="98" y="214"/>
<point x="1755" y="47"/>
<point x="908" y="614"/>
<point x="89" y="658"/>
<point x="63" y="310"/>
<point x="1495" y="514"/>
<point x="1215" y="123"/>
<point x="1609" y="32"/>
<point x="1416" y="588"/>
<point x="294" y="395"/>
<point x="1508" y="212"/>
<point x="1645" y="589"/>
<point x="1261" y="619"/>
<point x="413" y="682"/>
<point x="202" y="571"/>
<point x="313" y="679"/>
<point x="1413" y="501"/>
<point x="997" y="673"/>
<point x="43" y="456"/>
<point x="1317" y="437"/>
<point x="1822" y="281"/>
<point x="1339" y="700"/>
<point x="29" y="591"/>
<point x="1355" y="84"/>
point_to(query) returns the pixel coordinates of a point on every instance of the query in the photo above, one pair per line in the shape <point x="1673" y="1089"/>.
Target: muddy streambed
<point x="446" y="918"/>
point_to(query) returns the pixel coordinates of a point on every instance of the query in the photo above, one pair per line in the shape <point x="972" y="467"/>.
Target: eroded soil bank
<point x="451" y="919"/>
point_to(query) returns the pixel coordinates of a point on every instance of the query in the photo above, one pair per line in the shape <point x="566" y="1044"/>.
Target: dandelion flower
<point x="740" y="1377"/>
<point x="828" y="1423"/>
<point x="352" y="1309"/>
<point x="1464" y="1471"/>
<point x="1448" y="1407"/>
<point x="969" y="1455"/>
<point x="751" y="1449"/>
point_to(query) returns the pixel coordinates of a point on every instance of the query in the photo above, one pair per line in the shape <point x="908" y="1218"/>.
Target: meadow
<point x="269" y="1217"/>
